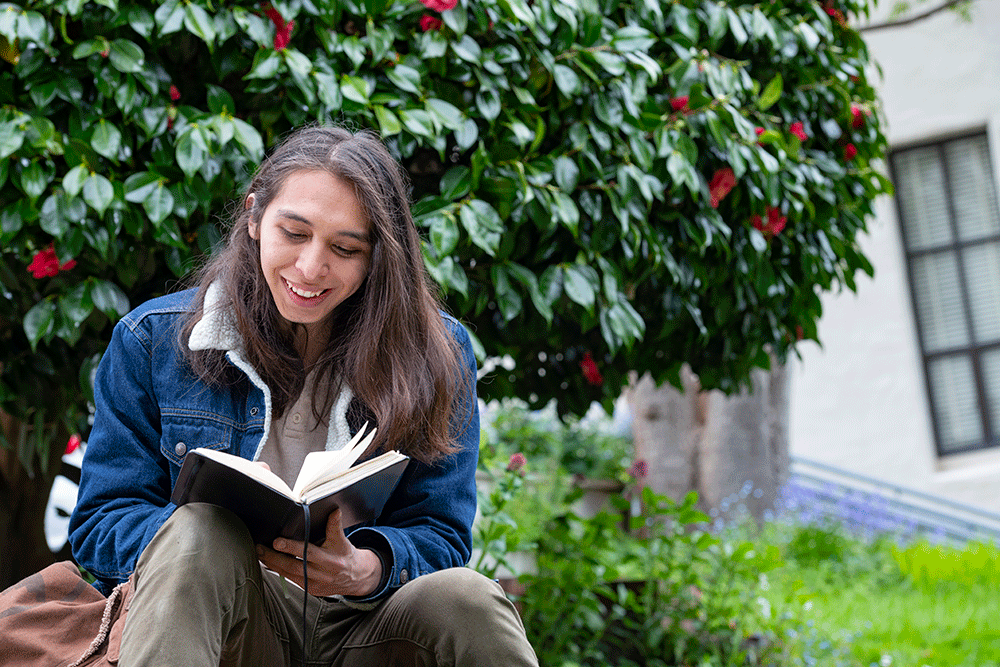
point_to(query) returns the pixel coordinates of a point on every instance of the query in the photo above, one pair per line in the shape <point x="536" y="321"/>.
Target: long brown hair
<point x="388" y="340"/>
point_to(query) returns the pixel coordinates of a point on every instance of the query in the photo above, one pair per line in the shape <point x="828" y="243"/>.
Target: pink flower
<point x="857" y="116"/>
<point x="517" y="461"/>
<point x="850" y="151"/>
<point x="775" y="222"/>
<point x="428" y="22"/>
<point x="759" y="131"/>
<point x="73" y="443"/>
<point x="798" y="130"/>
<point x="282" y="29"/>
<point x="679" y="103"/>
<point x="175" y="94"/>
<point x="439" y="5"/>
<point x="722" y="182"/>
<point x="590" y="372"/>
<point x="639" y="469"/>
<point x="45" y="264"/>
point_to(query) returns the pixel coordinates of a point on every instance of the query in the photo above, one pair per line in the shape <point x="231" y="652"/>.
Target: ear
<point x="251" y="222"/>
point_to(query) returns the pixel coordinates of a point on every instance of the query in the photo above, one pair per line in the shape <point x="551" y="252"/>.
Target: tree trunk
<point x="732" y="450"/>
<point x="23" y="497"/>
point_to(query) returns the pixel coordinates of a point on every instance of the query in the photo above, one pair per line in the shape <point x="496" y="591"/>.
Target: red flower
<point x="857" y="116"/>
<point x="175" y="94"/>
<point x="282" y="29"/>
<point x="679" y="103"/>
<point x="722" y="182"/>
<point x="759" y="131"/>
<point x="775" y="222"/>
<point x="105" y="53"/>
<point x="798" y="130"/>
<point x="639" y="469"/>
<point x="73" y="443"/>
<point x="590" y="372"/>
<point x="439" y="5"/>
<point x="428" y="22"/>
<point x="850" y="152"/>
<point x="45" y="264"/>
<point x="517" y="461"/>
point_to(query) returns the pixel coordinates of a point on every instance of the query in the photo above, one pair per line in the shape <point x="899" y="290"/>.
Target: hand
<point x="336" y="567"/>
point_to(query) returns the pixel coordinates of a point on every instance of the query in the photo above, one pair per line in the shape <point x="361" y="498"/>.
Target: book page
<point x="351" y="475"/>
<point x="320" y="467"/>
<point x="249" y="468"/>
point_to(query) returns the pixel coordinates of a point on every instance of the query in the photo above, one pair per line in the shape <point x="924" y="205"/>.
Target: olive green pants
<point x="202" y="599"/>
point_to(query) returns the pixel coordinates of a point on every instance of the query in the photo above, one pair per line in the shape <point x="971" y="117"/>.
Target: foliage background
<point x="605" y="186"/>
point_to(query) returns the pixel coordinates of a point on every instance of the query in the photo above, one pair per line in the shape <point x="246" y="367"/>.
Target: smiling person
<point x="316" y="316"/>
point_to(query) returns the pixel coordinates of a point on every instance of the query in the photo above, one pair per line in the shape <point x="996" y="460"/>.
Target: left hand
<point x="336" y="567"/>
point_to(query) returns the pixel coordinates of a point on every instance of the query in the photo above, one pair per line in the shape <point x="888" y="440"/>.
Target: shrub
<point x="605" y="185"/>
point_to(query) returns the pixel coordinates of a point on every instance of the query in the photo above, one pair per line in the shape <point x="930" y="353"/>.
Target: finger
<point x="283" y="564"/>
<point x="264" y="465"/>
<point x="335" y="538"/>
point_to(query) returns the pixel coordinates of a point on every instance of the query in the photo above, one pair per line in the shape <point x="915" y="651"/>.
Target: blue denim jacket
<point x="151" y="409"/>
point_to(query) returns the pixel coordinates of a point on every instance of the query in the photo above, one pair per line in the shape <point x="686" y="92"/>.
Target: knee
<point x="201" y="536"/>
<point x="461" y="593"/>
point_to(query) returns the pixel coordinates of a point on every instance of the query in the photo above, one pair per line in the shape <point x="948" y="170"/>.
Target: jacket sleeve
<point x="125" y="483"/>
<point x="427" y="524"/>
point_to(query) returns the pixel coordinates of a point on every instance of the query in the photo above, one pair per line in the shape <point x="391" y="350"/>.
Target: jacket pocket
<point x="184" y="430"/>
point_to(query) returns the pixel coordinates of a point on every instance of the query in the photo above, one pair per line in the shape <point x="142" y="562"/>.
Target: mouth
<point x="305" y="294"/>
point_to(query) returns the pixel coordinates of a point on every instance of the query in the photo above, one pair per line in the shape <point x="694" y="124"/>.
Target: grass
<point x="913" y="605"/>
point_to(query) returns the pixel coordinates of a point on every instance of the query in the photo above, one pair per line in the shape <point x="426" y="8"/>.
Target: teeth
<point x="303" y="293"/>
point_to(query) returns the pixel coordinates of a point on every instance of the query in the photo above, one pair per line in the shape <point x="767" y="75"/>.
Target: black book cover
<point x="268" y="513"/>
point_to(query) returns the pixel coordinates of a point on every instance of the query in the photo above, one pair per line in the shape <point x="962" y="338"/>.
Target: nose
<point x="313" y="262"/>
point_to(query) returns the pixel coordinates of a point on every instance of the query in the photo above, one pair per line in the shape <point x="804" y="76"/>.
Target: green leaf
<point x="530" y="281"/>
<point x="567" y="80"/>
<point x="355" y="89"/>
<point x="456" y="183"/>
<point x="159" y="203"/>
<point x="468" y="49"/>
<point x="11" y="138"/>
<point x="447" y="113"/>
<point x="632" y="38"/>
<point x="771" y="93"/>
<point x="405" y="78"/>
<point x="98" y="193"/>
<point x="387" y="121"/>
<point x="197" y="20"/>
<point x="34" y="181"/>
<point x="220" y="101"/>
<point x="90" y="47"/>
<point x="77" y="305"/>
<point x="266" y="65"/>
<point x="109" y="298"/>
<point x="444" y="234"/>
<point x="106" y="140"/>
<point x="190" y="155"/>
<point x="249" y="138"/>
<point x="51" y="219"/>
<point x="488" y="103"/>
<point x="126" y="56"/>
<point x="508" y="300"/>
<point x="581" y="284"/>
<point x="138" y="186"/>
<point x="73" y="180"/>
<point x="39" y="322"/>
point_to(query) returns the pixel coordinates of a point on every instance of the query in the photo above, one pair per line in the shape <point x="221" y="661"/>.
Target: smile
<point x="301" y="292"/>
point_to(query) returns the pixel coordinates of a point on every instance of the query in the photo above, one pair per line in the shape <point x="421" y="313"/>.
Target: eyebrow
<point x="292" y="215"/>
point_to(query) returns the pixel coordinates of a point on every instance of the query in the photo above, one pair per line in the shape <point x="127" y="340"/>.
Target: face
<point x="315" y="247"/>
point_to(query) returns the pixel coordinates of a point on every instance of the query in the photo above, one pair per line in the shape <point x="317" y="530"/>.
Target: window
<point x="947" y="202"/>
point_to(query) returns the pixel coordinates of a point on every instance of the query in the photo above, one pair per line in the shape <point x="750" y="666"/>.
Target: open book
<point x="269" y="508"/>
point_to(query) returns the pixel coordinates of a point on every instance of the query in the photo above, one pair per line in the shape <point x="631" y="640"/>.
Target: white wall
<point x="859" y="402"/>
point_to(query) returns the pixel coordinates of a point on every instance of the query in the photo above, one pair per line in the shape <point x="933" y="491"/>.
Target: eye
<point x="346" y="252"/>
<point x="293" y="236"/>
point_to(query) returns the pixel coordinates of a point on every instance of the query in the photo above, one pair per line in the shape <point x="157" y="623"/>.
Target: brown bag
<point x="54" y="618"/>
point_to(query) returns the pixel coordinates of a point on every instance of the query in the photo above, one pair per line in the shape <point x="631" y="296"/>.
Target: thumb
<point x="334" y="531"/>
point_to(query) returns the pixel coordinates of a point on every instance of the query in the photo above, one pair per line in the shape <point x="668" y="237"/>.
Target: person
<point x="316" y="316"/>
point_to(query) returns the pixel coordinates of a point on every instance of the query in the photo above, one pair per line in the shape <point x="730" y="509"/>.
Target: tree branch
<point x="895" y="23"/>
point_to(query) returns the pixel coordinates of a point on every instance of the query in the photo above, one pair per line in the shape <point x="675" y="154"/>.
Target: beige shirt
<point x="293" y="435"/>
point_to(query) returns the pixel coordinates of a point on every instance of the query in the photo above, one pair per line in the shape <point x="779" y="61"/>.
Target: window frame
<point x="974" y="349"/>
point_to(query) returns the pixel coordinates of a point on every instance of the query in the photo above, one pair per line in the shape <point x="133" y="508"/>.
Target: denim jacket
<point x="151" y="410"/>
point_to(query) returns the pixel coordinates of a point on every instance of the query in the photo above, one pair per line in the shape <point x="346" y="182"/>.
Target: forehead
<point x="320" y="199"/>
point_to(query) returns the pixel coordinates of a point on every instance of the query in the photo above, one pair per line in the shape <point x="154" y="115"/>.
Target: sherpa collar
<point x="217" y="331"/>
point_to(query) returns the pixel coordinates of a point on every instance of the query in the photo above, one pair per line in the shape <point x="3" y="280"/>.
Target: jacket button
<point x="404" y="576"/>
<point x="253" y="411"/>
<point x="180" y="449"/>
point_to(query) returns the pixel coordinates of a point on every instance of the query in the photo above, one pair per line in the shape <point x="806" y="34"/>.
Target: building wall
<point x="859" y="401"/>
